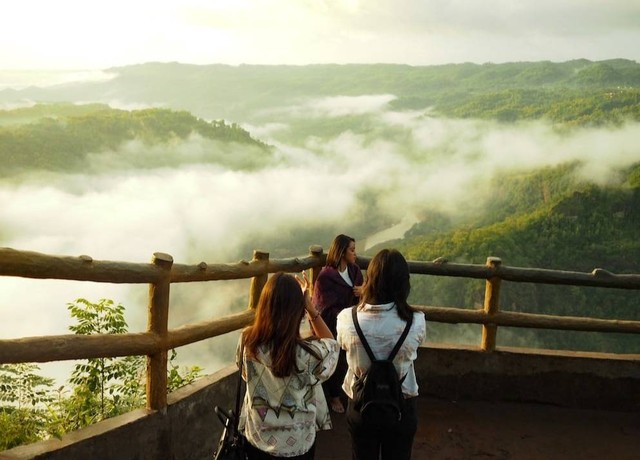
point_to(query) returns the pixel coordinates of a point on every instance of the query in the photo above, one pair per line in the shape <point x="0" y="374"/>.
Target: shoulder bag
<point x="232" y="443"/>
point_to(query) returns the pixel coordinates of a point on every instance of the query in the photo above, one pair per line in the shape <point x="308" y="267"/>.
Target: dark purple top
<point x="332" y="294"/>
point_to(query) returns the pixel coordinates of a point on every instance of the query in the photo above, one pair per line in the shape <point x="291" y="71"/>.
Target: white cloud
<point x="204" y="212"/>
<point x="339" y="106"/>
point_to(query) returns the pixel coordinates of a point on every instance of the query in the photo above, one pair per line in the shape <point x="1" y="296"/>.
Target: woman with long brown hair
<point x="383" y="314"/>
<point x="284" y="404"/>
<point x="337" y="287"/>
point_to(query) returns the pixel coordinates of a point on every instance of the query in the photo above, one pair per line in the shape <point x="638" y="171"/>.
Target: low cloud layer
<point x="198" y="211"/>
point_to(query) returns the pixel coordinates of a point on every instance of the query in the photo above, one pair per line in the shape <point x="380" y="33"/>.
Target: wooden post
<point x="258" y="282"/>
<point x="158" y="324"/>
<point x="491" y="305"/>
<point x="315" y="251"/>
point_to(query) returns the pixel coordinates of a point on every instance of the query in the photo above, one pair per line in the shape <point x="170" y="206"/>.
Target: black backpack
<point x="377" y="395"/>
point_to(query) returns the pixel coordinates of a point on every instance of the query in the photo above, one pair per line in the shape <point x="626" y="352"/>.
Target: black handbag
<point x="232" y="443"/>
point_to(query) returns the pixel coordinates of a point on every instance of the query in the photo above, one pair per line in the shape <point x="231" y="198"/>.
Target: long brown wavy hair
<point x="388" y="281"/>
<point x="277" y="324"/>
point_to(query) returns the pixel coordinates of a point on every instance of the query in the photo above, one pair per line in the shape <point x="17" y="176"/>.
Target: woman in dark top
<point x="338" y="287"/>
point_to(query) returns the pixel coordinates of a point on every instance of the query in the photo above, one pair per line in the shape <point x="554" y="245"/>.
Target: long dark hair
<point x="338" y="249"/>
<point x="388" y="281"/>
<point x="277" y="323"/>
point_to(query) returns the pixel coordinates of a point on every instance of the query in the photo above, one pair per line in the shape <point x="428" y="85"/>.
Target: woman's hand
<point x="357" y="291"/>
<point x="318" y="326"/>
<point x="303" y="281"/>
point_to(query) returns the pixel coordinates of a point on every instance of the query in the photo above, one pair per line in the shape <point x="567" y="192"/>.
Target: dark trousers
<point x="253" y="453"/>
<point x="333" y="385"/>
<point x="386" y="444"/>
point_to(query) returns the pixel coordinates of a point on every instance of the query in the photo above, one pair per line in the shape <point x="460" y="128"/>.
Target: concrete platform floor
<point x="500" y="430"/>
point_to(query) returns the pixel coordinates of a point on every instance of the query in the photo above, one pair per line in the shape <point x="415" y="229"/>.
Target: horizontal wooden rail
<point x="192" y="333"/>
<point x="29" y="264"/>
<point x="241" y="270"/>
<point x="83" y="268"/>
<point x="529" y="320"/>
<point x="597" y="278"/>
<point x="163" y="272"/>
<point x="73" y="346"/>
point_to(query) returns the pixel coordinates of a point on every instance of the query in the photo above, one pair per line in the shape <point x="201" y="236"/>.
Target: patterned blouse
<point x="280" y="416"/>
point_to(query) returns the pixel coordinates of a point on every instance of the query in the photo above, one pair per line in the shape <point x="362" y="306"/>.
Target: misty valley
<point x="536" y="163"/>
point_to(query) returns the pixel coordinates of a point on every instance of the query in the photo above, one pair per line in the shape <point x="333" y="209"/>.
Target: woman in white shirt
<point x="383" y="314"/>
<point x="284" y="404"/>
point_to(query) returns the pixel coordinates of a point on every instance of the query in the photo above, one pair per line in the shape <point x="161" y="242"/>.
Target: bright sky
<point x="81" y="34"/>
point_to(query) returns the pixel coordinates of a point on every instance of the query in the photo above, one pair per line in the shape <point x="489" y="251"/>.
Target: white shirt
<point x="382" y="327"/>
<point x="345" y="276"/>
<point x="280" y="416"/>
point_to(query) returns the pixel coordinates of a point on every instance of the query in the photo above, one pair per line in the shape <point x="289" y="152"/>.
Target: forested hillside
<point x="585" y="227"/>
<point x="60" y="137"/>
<point x="365" y="146"/>
<point x="543" y="219"/>
<point x="578" y="91"/>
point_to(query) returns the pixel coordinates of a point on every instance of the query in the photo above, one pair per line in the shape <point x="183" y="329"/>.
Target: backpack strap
<point x="365" y="344"/>
<point x="236" y="420"/>
<point x="400" y="341"/>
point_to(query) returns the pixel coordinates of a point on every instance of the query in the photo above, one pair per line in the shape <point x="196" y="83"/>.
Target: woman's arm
<point x="318" y="326"/>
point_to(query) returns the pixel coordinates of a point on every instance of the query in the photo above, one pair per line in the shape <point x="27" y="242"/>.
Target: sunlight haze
<point x="72" y="34"/>
<point x="106" y="157"/>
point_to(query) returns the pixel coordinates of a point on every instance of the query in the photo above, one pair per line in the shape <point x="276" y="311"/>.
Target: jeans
<point x="333" y="385"/>
<point x="386" y="444"/>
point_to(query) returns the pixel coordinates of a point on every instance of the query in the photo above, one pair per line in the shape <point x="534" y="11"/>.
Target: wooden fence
<point x="162" y="272"/>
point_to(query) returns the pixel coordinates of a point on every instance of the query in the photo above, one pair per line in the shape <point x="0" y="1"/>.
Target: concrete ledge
<point x="570" y="379"/>
<point x="189" y="428"/>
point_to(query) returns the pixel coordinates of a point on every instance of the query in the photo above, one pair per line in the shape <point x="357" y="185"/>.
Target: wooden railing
<point x="162" y="272"/>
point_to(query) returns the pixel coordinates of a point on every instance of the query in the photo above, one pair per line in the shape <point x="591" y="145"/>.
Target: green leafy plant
<point x="95" y="382"/>
<point x="24" y="397"/>
<point x="106" y="387"/>
<point x="32" y="410"/>
<point x="178" y="377"/>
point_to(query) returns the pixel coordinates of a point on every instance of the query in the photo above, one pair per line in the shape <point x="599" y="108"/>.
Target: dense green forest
<point x="578" y="91"/>
<point x="545" y="218"/>
<point x="60" y="137"/>
<point x="548" y="217"/>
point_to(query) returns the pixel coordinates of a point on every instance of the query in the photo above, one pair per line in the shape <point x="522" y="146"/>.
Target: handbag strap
<point x="236" y="418"/>
<point x="365" y="344"/>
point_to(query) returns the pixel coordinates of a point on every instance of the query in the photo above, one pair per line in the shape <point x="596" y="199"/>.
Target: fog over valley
<point x="203" y="200"/>
<point x="459" y="133"/>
